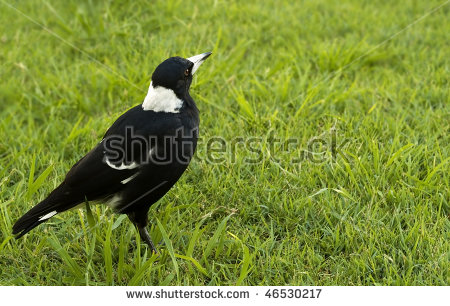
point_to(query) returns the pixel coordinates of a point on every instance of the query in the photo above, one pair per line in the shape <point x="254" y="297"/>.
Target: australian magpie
<point x="140" y="157"/>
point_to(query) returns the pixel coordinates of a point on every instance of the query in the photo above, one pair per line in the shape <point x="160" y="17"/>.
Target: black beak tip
<point x="207" y="54"/>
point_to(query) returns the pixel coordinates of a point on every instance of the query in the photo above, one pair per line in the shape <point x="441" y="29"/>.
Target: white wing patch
<point x="48" y="216"/>
<point x="161" y="99"/>
<point x="122" y="166"/>
<point x="130" y="178"/>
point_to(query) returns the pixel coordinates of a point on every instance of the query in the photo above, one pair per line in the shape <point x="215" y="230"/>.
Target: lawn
<point x="324" y="151"/>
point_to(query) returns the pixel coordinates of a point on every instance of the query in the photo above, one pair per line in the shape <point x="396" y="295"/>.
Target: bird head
<point x="176" y="73"/>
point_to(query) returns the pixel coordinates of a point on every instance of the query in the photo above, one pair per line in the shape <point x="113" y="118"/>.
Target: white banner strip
<point x="222" y="295"/>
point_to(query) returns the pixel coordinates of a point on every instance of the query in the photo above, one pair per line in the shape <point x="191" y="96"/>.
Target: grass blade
<point x="216" y="237"/>
<point x="168" y="245"/>
<point x="396" y="154"/>
<point x="108" y="256"/>
<point x="195" y="262"/>
<point x="70" y="263"/>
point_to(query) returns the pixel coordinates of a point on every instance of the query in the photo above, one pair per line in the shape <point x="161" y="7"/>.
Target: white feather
<point x="122" y="166"/>
<point x="130" y="178"/>
<point x="48" y="216"/>
<point x="161" y="99"/>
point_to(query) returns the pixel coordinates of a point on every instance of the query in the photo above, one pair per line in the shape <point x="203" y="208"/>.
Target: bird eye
<point x="186" y="72"/>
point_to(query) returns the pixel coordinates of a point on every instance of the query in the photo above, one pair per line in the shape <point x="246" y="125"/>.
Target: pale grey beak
<point x="198" y="60"/>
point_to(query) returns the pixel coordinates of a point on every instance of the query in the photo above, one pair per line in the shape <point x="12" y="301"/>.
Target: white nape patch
<point x="122" y="166"/>
<point x="129" y="179"/>
<point x="47" y="216"/>
<point x="114" y="201"/>
<point x="161" y="99"/>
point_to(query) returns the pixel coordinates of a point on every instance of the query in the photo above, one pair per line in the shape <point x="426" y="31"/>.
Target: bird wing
<point x="93" y="176"/>
<point x="100" y="173"/>
<point x="120" y="154"/>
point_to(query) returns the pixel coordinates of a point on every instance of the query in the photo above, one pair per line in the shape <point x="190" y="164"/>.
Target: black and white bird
<point x="141" y="156"/>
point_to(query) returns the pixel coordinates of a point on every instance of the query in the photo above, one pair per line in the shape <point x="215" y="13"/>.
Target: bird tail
<point x="42" y="212"/>
<point x="35" y="216"/>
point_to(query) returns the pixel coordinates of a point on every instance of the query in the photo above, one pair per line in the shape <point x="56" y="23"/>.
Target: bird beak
<point x="198" y="60"/>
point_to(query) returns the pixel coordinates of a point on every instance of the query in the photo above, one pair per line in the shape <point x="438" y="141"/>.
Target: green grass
<point x="375" y="211"/>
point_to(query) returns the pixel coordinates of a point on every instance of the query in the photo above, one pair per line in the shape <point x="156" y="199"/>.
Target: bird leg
<point x="146" y="237"/>
<point x="140" y="220"/>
